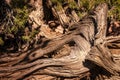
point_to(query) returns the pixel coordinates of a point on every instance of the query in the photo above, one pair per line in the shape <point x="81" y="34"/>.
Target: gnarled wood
<point x="87" y="48"/>
<point x="101" y="17"/>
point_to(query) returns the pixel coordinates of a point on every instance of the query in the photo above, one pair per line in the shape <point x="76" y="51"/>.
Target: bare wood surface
<point x="101" y="17"/>
<point x="88" y="47"/>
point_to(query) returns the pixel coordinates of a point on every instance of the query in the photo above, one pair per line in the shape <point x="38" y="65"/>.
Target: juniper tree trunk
<point x="87" y="54"/>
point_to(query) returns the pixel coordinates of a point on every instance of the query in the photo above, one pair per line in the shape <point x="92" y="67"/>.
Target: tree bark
<point x="89" y="52"/>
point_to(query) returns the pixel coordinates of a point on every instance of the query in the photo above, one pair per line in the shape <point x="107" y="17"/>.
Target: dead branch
<point x="101" y="17"/>
<point x="101" y="56"/>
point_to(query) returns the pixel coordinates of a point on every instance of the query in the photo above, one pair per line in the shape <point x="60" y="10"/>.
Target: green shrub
<point x="19" y="19"/>
<point x="88" y="5"/>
